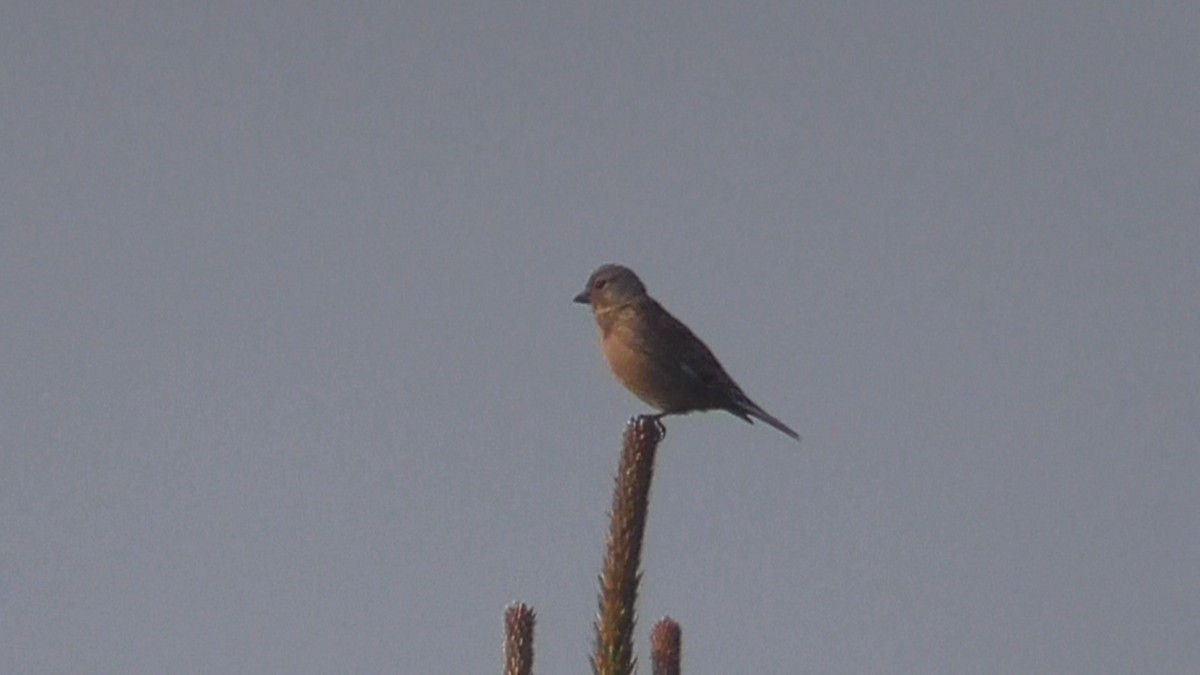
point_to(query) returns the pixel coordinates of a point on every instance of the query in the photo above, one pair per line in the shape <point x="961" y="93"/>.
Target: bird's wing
<point x="675" y="346"/>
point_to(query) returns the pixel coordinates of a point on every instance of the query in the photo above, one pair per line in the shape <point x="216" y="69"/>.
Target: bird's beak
<point x="584" y="298"/>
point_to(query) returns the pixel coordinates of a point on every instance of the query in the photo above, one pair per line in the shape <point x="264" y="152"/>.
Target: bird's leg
<point x="657" y="420"/>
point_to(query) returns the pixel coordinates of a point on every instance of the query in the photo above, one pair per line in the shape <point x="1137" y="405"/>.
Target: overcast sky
<point x="291" y="380"/>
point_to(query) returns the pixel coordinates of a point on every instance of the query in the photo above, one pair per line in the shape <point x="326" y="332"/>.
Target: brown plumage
<point x="658" y="358"/>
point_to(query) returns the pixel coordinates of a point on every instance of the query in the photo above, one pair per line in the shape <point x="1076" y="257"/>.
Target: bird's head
<point x="611" y="286"/>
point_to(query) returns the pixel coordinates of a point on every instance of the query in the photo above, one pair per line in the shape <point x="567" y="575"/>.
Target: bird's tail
<point x="749" y="409"/>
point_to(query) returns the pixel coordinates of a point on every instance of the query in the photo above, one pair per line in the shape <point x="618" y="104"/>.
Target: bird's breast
<point x="632" y="367"/>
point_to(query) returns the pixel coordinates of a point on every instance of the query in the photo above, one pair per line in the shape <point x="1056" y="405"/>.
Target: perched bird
<point x="657" y="357"/>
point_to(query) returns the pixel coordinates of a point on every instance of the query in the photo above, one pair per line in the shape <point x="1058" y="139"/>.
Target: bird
<point x="657" y="357"/>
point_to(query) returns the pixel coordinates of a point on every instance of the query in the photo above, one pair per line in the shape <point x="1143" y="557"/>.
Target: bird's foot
<point x="642" y="421"/>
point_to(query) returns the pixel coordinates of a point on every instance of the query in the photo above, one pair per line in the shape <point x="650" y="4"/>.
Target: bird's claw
<point x="641" y="421"/>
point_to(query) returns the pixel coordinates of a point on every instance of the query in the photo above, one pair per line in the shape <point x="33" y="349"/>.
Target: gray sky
<point x="292" y="381"/>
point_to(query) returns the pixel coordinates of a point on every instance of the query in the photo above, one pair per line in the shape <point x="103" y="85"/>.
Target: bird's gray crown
<point x="614" y="282"/>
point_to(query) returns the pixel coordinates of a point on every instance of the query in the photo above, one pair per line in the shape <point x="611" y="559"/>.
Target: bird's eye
<point x="600" y="283"/>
